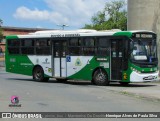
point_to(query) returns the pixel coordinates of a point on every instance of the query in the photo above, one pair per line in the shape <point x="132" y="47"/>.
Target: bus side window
<point x="37" y="43"/>
<point x="74" y="46"/>
<point x="13" y="46"/>
<point x="43" y="46"/>
<point x="89" y="46"/>
<point x="27" y="46"/>
<point x="103" y="45"/>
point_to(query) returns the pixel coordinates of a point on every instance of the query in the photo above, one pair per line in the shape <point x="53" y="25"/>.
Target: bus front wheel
<point x="38" y="74"/>
<point x="100" y="78"/>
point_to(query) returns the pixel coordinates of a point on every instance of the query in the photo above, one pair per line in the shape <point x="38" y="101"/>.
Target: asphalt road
<point x="67" y="97"/>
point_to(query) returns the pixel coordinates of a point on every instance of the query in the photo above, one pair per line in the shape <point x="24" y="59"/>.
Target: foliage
<point x="114" y="16"/>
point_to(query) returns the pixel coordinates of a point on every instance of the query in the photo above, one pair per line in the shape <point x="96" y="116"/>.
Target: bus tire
<point x="46" y="79"/>
<point x="92" y="82"/>
<point x="38" y="74"/>
<point x="100" y="77"/>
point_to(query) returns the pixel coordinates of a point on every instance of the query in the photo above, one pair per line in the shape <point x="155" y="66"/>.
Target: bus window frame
<point x="13" y="47"/>
<point x="76" y="46"/>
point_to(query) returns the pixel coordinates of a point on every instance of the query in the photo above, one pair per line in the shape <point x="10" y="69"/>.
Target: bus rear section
<point x="29" y="55"/>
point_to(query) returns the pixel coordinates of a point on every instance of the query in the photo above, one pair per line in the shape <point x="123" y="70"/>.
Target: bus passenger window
<point x="74" y="46"/>
<point x="14" y="46"/>
<point x="43" y="47"/>
<point x="103" y="45"/>
<point x="89" y="50"/>
<point x="89" y="46"/>
<point x="89" y="42"/>
<point x="27" y="46"/>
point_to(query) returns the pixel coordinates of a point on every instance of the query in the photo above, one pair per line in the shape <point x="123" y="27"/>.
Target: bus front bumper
<point x="142" y="77"/>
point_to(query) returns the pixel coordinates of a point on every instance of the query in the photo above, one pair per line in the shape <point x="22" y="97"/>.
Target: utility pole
<point x="1" y="22"/>
<point x="62" y="25"/>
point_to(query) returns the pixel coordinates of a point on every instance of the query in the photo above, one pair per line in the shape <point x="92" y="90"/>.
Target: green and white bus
<point x="98" y="56"/>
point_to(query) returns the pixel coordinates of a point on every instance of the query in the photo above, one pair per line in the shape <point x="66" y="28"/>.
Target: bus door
<point x="116" y="59"/>
<point x="59" y="58"/>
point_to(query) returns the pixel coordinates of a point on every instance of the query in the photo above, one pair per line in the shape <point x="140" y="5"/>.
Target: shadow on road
<point x="133" y="85"/>
<point x="87" y="83"/>
<point x="72" y="82"/>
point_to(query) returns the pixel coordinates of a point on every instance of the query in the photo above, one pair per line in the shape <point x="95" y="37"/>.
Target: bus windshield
<point x="144" y="51"/>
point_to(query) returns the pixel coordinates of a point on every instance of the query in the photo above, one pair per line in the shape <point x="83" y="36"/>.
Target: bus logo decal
<point x="78" y="62"/>
<point x="14" y="101"/>
<point x="46" y="61"/>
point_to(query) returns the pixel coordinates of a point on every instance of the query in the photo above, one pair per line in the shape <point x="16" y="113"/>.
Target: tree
<point x="1" y="22"/>
<point x="1" y="33"/>
<point x="114" y="16"/>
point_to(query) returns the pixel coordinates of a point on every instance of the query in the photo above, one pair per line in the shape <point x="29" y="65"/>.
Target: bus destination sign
<point x="143" y="35"/>
<point x="65" y="35"/>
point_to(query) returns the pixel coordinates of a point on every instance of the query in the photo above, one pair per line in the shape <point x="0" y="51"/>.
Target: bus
<point x="98" y="56"/>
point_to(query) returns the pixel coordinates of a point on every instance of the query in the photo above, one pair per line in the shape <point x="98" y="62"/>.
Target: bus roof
<point x="74" y="33"/>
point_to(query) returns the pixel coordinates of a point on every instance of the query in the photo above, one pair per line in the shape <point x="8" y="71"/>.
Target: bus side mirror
<point x="132" y="46"/>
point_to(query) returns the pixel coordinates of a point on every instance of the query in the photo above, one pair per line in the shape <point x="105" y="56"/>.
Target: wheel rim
<point x="38" y="74"/>
<point x="101" y="77"/>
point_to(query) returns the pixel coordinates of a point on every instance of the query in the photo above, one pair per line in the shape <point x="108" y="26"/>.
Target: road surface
<point x="67" y="97"/>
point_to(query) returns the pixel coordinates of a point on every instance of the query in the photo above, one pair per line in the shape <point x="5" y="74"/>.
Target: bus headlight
<point x="133" y="69"/>
<point x="138" y="71"/>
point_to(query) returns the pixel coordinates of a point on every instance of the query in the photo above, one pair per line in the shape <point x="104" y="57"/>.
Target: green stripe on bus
<point x="123" y="33"/>
<point x="86" y="72"/>
<point x="19" y="65"/>
<point x="12" y="37"/>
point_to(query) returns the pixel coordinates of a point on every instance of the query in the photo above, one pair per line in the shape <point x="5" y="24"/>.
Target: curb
<point x="140" y="96"/>
<point x="137" y="95"/>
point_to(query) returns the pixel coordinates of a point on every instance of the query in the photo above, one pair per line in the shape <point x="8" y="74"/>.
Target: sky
<point x="49" y="13"/>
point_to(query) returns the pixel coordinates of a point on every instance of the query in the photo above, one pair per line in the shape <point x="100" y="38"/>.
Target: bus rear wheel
<point x="38" y="74"/>
<point x="100" y="78"/>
